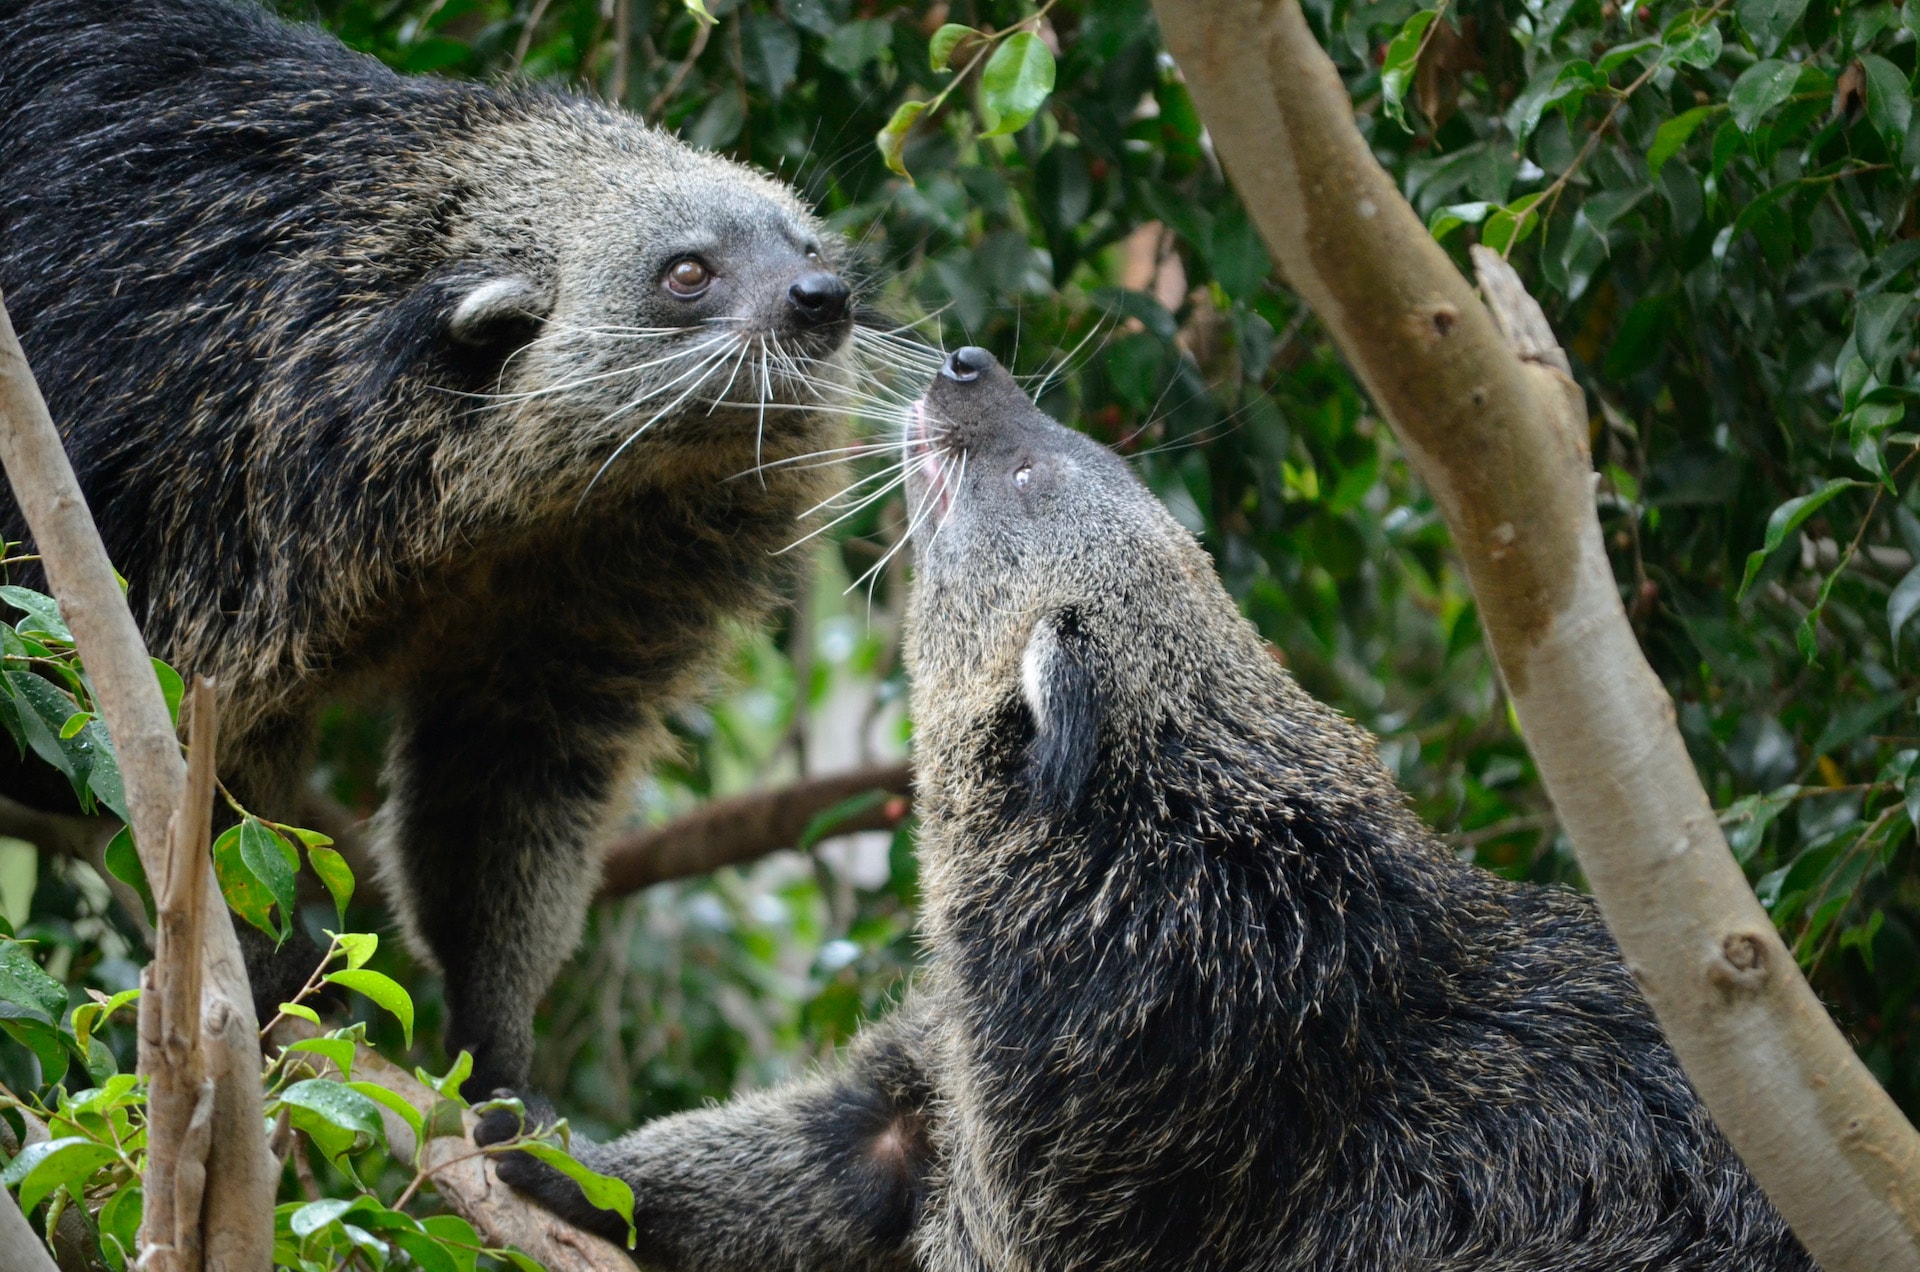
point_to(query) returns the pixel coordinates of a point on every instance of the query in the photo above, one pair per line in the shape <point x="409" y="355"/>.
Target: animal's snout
<point x="818" y="298"/>
<point x="967" y="363"/>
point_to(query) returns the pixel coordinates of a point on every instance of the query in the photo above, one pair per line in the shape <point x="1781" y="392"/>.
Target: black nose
<point x="818" y="297"/>
<point x="968" y="362"/>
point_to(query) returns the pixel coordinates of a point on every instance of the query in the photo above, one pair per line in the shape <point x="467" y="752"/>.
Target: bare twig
<point x="239" y="1212"/>
<point x="730" y="831"/>
<point x="179" y="1095"/>
<point x="1499" y="435"/>
<point x="702" y="33"/>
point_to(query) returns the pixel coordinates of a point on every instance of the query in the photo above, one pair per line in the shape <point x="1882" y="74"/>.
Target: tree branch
<point x="745" y="827"/>
<point x="20" y="1248"/>
<point x="1500" y="440"/>
<point x="461" y="1174"/>
<point x="179" y="1095"/>
<point x="239" y="1211"/>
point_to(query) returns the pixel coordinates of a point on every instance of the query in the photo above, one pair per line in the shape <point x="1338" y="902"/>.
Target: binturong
<point x="1201" y="991"/>
<point x="483" y="402"/>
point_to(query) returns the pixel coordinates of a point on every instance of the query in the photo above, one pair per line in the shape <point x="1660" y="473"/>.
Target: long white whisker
<point x="868" y="501"/>
<point x="657" y="416"/>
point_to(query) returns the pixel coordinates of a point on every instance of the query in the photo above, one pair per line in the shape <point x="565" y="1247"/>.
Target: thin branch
<point x="239" y="1211"/>
<point x="20" y="1248"/>
<point x="702" y="33"/>
<point x="172" y="1059"/>
<point x="730" y="831"/>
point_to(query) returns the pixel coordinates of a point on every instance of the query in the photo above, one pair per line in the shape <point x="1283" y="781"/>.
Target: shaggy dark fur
<point x="340" y="358"/>
<point x="1203" y="992"/>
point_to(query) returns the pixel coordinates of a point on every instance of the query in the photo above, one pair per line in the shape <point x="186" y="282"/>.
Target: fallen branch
<point x="746" y="827"/>
<point x="172" y="1059"/>
<point x="1497" y="431"/>
<point x="238" y="1212"/>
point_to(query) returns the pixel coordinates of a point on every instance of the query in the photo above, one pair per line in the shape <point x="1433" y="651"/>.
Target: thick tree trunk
<point x="1498" y="433"/>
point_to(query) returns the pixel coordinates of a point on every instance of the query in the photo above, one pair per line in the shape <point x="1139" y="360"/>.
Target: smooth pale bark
<point x="238" y="1208"/>
<point x="180" y="1096"/>
<point x="20" y="1248"/>
<point x="1498" y="433"/>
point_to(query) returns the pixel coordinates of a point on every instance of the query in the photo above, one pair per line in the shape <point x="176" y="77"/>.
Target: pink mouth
<point x="925" y="455"/>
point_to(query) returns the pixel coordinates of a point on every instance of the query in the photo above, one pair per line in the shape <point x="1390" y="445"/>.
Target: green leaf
<point x="123" y="863"/>
<point x="892" y="139"/>
<point x="43" y="613"/>
<point x="1403" y="51"/>
<point x="457" y="1073"/>
<point x="1902" y="603"/>
<point x="26" y="985"/>
<point x="1889" y="100"/>
<point x="103" y="769"/>
<point x="1746" y="822"/>
<point x="274" y="862"/>
<point x="383" y="990"/>
<point x="1620" y="54"/>
<point x="940" y="48"/>
<point x="1691" y="43"/>
<point x="172" y="688"/>
<point x="53" y="1048"/>
<point x="248" y="897"/>
<point x="1563" y="86"/>
<point x="1016" y="82"/>
<point x="319" y="1103"/>
<point x="87" y="1016"/>
<point x="1509" y="226"/>
<point x="357" y="946"/>
<point x="430" y="1253"/>
<point x="603" y="1191"/>
<point x="315" y="1215"/>
<point x="299" y="1012"/>
<point x="337" y="1050"/>
<point x="1787" y="518"/>
<point x="1767" y="22"/>
<point x="335" y="873"/>
<point x="1671" y="137"/>
<point x="1761" y="88"/>
<point x="698" y="8"/>
<point x="119" y="1222"/>
<point x="456" y="1236"/>
<point x="66" y="1162"/>
<point x="75" y="722"/>
<point x="399" y="1106"/>
<point x="1446" y="220"/>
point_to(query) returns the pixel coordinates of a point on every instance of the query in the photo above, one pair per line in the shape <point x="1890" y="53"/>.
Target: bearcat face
<point x="654" y="312"/>
<point x="1058" y="608"/>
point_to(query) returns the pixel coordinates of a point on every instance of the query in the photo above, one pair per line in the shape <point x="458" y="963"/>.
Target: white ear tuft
<point x="1036" y="668"/>
<point x="476" y="319"/>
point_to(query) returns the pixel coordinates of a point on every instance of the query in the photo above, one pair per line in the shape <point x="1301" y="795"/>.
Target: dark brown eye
<point x="687" y="278"/>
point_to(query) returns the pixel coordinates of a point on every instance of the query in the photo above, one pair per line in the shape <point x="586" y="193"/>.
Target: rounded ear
<point x="501" y="310"/>
<point x="1063" y="691"/>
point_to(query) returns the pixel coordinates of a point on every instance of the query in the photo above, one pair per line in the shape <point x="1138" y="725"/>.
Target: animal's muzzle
<point x="818" y="298"/>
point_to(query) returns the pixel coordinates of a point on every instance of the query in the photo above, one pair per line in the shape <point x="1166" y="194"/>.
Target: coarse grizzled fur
<point x="382" y="384"/>
<point x="1202" y="992"/>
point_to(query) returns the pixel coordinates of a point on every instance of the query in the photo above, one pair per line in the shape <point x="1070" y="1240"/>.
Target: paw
<point x="498" y="1125"/>
<point x="533" y="1178"/>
